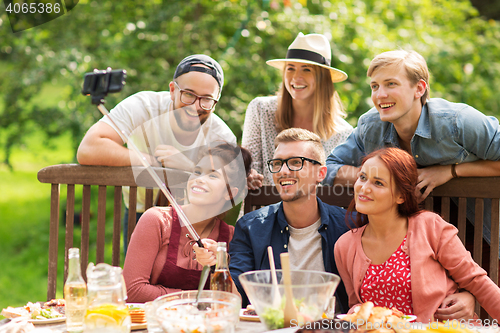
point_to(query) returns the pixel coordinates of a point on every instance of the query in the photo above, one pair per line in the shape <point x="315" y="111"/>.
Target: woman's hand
<point x="254" y="180"/>
<point x="456" y="306"/>
<point x="206" y="255"/>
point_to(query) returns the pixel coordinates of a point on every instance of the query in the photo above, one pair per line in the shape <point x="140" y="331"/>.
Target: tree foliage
<point x="41" y="69"/>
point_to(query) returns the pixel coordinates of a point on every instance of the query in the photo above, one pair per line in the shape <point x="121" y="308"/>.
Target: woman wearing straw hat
<point x="307" y="99"/>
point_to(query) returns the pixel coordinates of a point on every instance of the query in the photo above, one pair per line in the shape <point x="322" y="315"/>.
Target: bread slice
<point x="11" y="312"/>
<point x="365" y="310"/>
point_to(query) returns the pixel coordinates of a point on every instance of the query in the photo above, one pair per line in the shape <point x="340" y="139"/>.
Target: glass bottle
<point x="75" y="293"/>
<point x="221" y="279"/>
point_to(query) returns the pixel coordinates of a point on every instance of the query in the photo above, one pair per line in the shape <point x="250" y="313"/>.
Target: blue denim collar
<point x="424" y="125"/>
<point x="423" y="129"/>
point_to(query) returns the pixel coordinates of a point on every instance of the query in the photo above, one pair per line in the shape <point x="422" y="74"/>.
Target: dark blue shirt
<point x="255" y="231"/>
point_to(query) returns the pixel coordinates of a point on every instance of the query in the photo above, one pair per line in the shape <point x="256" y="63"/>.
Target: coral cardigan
<point x="440" y="265"/>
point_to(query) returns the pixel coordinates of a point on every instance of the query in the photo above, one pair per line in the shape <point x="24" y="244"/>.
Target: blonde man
<point x="447" y="140"/>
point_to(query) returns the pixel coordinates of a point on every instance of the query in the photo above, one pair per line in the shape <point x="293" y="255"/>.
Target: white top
<point x="259" y="132"/>
<point x="305" y="248"/>
<point x="144" y="119"/>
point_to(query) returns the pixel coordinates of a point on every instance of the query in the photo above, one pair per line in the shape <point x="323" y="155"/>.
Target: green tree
<point x="149" y="38"/>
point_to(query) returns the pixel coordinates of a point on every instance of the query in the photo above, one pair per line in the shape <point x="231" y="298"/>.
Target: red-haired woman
<point x="400" y="256"/>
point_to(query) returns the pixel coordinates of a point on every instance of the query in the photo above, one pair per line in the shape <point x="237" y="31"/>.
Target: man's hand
<point x="170" y="157"/>
<point x="430" y="178"/>
<point x="347" y="175"/>
<point x="206" y="255"/>
<point x="254" y="180"/>
<point x="456" y="306"/>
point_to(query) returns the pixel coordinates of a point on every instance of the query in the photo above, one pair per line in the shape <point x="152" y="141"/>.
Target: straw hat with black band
<point x="311" y="49"/>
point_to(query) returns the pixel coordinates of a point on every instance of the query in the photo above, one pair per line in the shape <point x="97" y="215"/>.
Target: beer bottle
<point x="75" y="293"/>
<point x="221" y="279"/>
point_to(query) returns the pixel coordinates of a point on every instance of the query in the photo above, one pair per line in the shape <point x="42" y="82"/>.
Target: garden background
<point x="43" y="115"/>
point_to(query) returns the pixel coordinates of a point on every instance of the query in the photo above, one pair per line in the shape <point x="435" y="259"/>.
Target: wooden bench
<point x="102" y="177"/>
<point x="440" y="202"/>
<point x="116" y="177"/>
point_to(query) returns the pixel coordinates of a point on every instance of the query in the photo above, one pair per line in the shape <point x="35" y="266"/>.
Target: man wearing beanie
<point x="169" y="127"/>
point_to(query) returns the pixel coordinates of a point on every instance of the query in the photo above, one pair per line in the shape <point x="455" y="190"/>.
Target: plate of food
<point x="38" y="313"/>
<point x="47" y="321"/>
<point x="284" y="330"/>
<point x="138" y="316"/>
<point x="249" y="314"/>
<point x="408" y="318"/>
<point x="376" y="315"/>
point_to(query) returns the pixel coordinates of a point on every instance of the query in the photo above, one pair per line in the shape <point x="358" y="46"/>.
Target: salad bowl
<point x="311" y="292"/>
<point x="215" y="312"/>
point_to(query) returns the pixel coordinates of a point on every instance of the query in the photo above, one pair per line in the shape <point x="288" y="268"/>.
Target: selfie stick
<point x="182" y="217"/>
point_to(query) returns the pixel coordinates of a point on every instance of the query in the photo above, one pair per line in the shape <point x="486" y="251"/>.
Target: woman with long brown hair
<point x="307" y="99"/>
<point x="160" y="259"/>
<point x="400" y="256"/>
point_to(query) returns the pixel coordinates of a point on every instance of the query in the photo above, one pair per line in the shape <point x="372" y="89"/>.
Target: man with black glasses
<point x="300" y="224"/>
<point x="168" y="126"/>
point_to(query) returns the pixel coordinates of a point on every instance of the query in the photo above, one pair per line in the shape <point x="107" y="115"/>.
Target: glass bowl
<point x="311" y="292"/>
<point x="216" y="312"/>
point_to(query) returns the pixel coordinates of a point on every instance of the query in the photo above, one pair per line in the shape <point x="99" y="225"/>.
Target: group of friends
<point x="385" y="248"/>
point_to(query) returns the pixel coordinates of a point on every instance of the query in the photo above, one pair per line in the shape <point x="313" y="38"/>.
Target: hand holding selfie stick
<point x="98" y="84"/>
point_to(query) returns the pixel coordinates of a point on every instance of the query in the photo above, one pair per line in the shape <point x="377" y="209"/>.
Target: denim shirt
<point x="257" y="230"/>
<point x="447" y="133"/>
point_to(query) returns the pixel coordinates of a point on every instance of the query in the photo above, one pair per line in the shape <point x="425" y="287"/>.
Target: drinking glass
<point x="153" y="324"/>
<point x="330" y="308"/>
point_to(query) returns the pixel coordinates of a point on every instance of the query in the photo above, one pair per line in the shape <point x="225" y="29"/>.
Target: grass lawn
<point x="24" y="221"/>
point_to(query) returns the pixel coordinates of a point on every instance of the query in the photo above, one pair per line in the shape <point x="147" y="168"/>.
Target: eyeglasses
<point x="188" y="98"/>
<point x="293" y="163"/>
